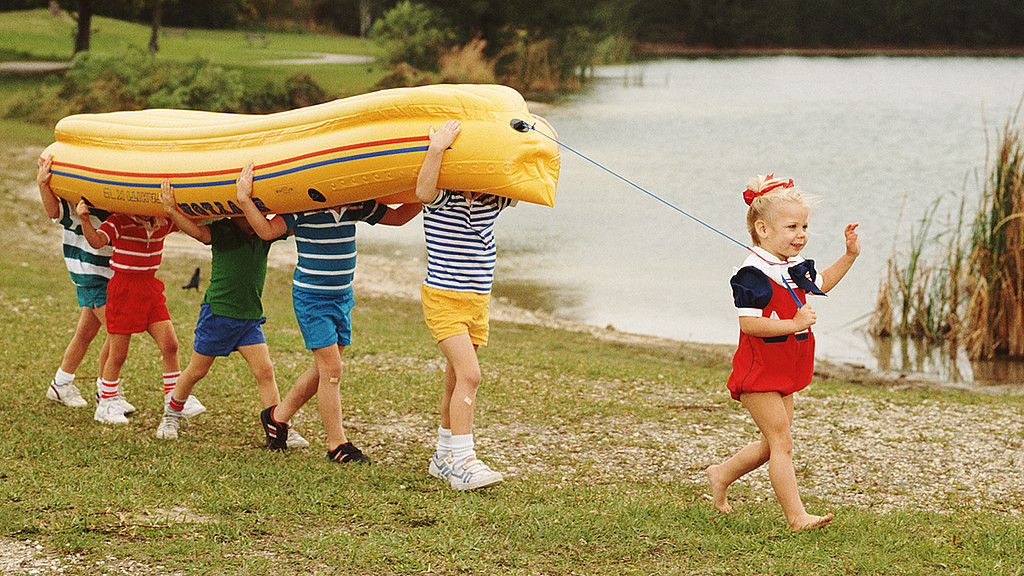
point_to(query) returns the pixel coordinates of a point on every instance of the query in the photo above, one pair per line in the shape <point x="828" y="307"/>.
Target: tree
<point x="154" y="37"/>
<point x="413" y="34"/>
<point x="84" y="19"/>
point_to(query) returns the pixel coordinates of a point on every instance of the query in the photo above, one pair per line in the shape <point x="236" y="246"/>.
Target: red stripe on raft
<point x="237" y="170"/>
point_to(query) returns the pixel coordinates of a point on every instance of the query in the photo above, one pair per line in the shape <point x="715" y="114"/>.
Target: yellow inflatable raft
<point x="348" y="150"/>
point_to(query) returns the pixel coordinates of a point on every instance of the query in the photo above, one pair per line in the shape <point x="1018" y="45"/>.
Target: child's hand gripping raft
<point x="775" y="356"/>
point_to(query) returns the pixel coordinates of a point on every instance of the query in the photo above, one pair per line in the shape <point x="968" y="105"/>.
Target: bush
<point x="413" y="34"/>
<point x="131" y="79"/>
<point x="467" y="64"/>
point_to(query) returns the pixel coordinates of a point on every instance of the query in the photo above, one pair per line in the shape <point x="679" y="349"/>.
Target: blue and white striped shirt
<point x="326" y="244"/>
<point x="87" y="265"/>
<point x="461" y="251"/>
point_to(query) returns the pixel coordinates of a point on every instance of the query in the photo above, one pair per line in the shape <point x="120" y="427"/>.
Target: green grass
<point x="34" y="35"/>
<point x="214" y="502"/>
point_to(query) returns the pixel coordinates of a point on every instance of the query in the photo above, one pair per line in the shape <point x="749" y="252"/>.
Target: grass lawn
<point x="34" y="35"/>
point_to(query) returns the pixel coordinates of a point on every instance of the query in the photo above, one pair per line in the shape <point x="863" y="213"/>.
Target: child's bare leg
<point x="258" y="358"/>
<point x="773" y="414"/>
<point x="196" y="370"/>
<point x="462" y="361"/>
<point x="167" y="342"/>
<point x="721" y="476"/>
<point x="328" y="394"/>
<point x="116" y="356"/>
<point x="85" y="332"/>
<point x="305" y="387"/>
<point x="104" y="354"/>
<point x="100" y="313"/>
<point x="446" y="397"/>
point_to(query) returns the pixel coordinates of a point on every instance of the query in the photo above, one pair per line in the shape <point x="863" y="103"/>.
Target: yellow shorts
<point x="449" y="313"/>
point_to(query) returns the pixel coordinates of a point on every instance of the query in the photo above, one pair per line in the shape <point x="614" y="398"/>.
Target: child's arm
<point x="401" y="215"/>
<point x="770" y="327"/>
<point x="266" y="229"/>
<point x="426" y="181"/>
<point x="834" y="273"/>
<point x="50" y="203"/>
<point x="201" y="233"/>
<point x="94" y="238"/>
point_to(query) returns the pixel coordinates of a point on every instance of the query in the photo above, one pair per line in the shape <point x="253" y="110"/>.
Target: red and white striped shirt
<point x="138" y="244"/>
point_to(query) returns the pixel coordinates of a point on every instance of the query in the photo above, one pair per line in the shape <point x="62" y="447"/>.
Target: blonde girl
<point x="775" y="355"/>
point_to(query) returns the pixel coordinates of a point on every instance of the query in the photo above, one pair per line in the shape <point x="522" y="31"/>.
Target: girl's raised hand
<point x="852" y="240"/>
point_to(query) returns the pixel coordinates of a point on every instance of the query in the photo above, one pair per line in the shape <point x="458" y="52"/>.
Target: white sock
<point x="462" y="447"/>
<point x="444" y="441"/>
<point x="62" y="378"/>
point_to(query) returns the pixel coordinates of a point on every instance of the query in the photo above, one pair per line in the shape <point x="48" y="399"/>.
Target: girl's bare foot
<point x="719" y="490"/>
<point x="809" y="522"/>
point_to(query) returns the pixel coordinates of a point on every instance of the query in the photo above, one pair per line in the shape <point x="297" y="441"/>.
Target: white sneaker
<point x="108" y="411"/>
<point x="440" y="466"/>
<point x="126" y="406"/>
<point x="193" y="407"/>
<point x="472" y="474"/>
<point x="169" y="425"/>
<point x="67" y="394"/>
<point x="294" y="440"/>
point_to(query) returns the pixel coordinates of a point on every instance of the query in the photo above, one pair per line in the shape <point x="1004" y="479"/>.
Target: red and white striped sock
<point x="175" y="405"/>
<point x="109" y="389"/>
<point x="170" y="379"/>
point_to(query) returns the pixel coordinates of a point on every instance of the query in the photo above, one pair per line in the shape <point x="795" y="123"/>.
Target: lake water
<point x="875" y="139"/>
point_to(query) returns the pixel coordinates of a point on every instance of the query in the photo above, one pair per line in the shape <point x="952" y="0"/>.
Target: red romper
<point x="782" y="364"/>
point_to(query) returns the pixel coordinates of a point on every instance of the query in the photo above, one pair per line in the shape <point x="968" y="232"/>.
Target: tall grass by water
<point x="995" y="318"/>
<point x="959" y="282"/>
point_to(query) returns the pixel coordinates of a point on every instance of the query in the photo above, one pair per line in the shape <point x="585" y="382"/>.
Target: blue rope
<point x="659" y="199"/>
<point x="642" y="189"/>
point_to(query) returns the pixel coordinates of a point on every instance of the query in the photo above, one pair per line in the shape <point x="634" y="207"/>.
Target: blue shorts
<point x="220" y="335"/>
<point x="93" y="296"/>
<point x="324" y="319"/>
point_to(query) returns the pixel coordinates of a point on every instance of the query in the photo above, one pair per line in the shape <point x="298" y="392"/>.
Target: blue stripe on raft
<point x="257" y="178"/>
<point x="342" y="159"/>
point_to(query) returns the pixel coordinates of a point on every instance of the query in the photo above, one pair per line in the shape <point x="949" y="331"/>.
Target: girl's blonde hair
<point x="763" y="192"/>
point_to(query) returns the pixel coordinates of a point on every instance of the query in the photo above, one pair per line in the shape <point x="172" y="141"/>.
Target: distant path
<point x="32" y="68"/>
<point x="324" y="58"/>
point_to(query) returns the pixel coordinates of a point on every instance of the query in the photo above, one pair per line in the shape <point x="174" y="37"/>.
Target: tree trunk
<point x="84" y="26"/>
<point x="365" y="17"/>
<point x="154" y="37"/>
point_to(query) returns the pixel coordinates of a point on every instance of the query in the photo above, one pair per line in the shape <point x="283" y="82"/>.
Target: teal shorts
<point x="91" y="296"/>
<point x="324" y="319"/>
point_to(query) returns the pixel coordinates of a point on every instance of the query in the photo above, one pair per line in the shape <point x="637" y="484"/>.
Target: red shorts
<point x="134" y="301"/>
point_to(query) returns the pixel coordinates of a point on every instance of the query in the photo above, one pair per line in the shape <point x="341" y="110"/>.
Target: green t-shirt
<point x="238" y="272"/>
